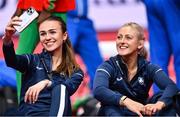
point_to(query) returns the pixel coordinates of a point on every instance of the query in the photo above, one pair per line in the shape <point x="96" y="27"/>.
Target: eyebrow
<point x="48" y="30"/>
<point x="125" y="34"/>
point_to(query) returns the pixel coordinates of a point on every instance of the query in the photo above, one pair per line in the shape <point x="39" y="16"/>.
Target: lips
<point x="123" y="47"/>
<point x="49" y="43"/>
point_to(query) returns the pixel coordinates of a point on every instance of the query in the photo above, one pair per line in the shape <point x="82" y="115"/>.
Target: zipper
<point x="119" y="67"/>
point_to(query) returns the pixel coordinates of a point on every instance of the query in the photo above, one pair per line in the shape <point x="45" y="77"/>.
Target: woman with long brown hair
<point x="49" y="78"/>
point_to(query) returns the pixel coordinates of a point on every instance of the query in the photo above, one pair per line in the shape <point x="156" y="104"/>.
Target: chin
<point x="122" y="53"/>
<point x="49" y="49"/>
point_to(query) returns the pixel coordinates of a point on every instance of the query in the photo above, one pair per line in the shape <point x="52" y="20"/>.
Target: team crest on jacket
<point x="141" y="80"/>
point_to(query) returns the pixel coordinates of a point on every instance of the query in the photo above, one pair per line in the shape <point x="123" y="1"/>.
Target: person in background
<point x="7" y="80"/>
<point x="48" y="78"/>
<point x="29" y="37"/>
<point x="164" y="33"/>
<point x="83" y="37"/>
<point x="122" y="83"/>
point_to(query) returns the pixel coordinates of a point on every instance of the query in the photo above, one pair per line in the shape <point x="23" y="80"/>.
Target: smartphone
<point x="27" y="17"/>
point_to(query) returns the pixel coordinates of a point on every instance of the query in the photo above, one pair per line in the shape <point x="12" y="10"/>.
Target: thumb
<point x="139" y="114"/>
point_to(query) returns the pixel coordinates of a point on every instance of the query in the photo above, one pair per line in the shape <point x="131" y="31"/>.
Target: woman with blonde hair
<point x="122" y="83"/>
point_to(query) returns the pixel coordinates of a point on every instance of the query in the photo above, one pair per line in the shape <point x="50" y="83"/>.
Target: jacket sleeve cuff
<point x="118" y="97"/>
<point x="167" y="102"/>
<point x="53" y="84"/>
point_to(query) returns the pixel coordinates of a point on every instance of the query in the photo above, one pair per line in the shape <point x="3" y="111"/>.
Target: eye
<point x="119" y="37"/>
<point x="128" y="37"/>
<point x="52" y="32"/>
<point x="42" y="34"/>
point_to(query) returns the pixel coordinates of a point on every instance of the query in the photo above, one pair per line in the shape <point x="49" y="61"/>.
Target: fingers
<point x="154" y="110"/>
<point x="25" y="97"/>
<point x="139" y="114"/>
<point x="15" y="21"/>
<point x="36" y="97"/>
<point x="31" y="95"/>
<point x="149" y="110"/>
<point x="10" y="30"/>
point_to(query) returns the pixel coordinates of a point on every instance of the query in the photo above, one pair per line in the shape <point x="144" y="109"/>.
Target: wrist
<point x="46" y="83"/>
<point x="123" y="98"/>
<point x="6" y="40"/>
<point x="161" y="104"/>
<point x="49" y="83"/>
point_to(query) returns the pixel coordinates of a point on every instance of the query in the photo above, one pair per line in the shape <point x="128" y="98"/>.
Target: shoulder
<point x="33" y="59"/>
<point x="153" y="68"/>
<point x="107" y="66"/>
<point x="78" y="72"/>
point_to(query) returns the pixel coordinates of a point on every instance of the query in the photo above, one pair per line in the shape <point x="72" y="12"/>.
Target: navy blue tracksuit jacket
<point x="111" y="83"/>
<point x="53" y="101"/>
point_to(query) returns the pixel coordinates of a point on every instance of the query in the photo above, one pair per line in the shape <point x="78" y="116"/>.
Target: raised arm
<point x="17" y="62"/>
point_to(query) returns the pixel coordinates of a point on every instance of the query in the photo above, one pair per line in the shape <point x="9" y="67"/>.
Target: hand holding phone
<point x="27" y="17"/>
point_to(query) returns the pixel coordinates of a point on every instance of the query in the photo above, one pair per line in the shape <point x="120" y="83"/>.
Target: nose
<point x="122" y="40"/>
<point x="47" y="37"/>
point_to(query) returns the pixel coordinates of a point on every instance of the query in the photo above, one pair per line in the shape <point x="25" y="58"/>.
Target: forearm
<point x="101" y="88"/>
<point x="107" y="96"/>
<point x="168" y="86"/>
<point x="18" y="62"/>
<point x="72" y="83"/>
<point x="168" y="93"/>
<point x="6" y="40"/>
<point x="9" y="53"/>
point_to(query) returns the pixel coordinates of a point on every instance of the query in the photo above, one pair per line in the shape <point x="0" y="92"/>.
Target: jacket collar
<point x="45" y="54"/>
<point x="141" y="61"/>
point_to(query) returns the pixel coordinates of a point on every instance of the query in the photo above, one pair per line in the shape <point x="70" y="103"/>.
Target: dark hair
<point x="140" y="35"/>
<point x="68" y="64"/>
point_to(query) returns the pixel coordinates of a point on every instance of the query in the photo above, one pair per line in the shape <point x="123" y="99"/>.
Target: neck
<point x="56" y="59"/>
<point x="131" y="63"/>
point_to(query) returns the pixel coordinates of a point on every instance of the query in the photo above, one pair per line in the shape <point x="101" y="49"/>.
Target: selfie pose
<point x="122" y="83"/>
<point x="29" y="37"/>
<point x="48" y="78"/>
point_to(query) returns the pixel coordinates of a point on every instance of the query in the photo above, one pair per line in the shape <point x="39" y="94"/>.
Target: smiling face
<point x="51" y="35"/>
<point x="127" y="41"/>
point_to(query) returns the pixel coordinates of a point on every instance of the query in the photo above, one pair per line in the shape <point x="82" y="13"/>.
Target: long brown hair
<point x="140" y="35"/>
<point x="68" y="64"/>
